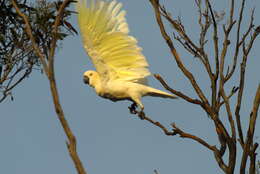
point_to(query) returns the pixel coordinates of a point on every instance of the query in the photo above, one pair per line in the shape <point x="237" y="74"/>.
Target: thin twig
<point x="237" y="41"/>
<point x="9" y="88"/>
<point x="215" y="39"/>
<point x="188" y="44"/>
<point x="233" y="91"/>
<point x="214" y="79"/>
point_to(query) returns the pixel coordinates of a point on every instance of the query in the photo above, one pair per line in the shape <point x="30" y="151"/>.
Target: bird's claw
<point x="132" y="108"/>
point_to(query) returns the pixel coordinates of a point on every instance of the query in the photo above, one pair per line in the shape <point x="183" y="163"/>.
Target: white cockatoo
<point x="121" y="68"/>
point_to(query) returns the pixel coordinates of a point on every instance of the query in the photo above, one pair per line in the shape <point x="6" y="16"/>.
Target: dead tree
<point x="219" y="74"/>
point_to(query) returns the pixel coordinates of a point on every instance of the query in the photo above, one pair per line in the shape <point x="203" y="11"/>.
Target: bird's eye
<point x="90" y="74"/>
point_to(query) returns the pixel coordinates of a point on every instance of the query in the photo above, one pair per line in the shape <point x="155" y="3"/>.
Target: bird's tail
<point x="158" y="93"/>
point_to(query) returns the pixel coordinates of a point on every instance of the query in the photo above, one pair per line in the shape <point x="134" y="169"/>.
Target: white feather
<point x="105" y="36"/>
<point x="121" y="67"/>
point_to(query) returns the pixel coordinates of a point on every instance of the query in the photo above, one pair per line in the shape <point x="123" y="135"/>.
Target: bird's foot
<point x="132" y="108"/>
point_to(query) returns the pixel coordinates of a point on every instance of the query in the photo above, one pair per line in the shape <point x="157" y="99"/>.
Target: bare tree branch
<point x="249" y="149"/>
<point x="178" y="93"/>
<point x="214" y="100"/>
<point x="215" y="39"/>
<point x="190" y="136"/>
<point x="182" y="134"/>
<point x="176" y="131"/>
<point x="175" y="54"/>
<point x="237" y="39"/>
<point x="188" y="44"/>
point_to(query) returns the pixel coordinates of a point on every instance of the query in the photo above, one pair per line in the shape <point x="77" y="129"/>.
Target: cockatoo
<point x="121" y="68"/>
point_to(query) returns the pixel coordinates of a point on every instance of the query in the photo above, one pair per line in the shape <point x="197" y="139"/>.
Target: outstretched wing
<point x="113" y="52"/>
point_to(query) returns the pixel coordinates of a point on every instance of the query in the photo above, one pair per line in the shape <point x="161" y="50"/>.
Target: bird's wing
<point x="113" y="52"/>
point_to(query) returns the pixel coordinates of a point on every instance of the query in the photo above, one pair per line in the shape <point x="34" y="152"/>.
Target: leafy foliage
<point x="17" y="57"/>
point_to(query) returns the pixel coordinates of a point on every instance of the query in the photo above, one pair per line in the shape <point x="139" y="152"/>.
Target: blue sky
<point x="110" y="140"/>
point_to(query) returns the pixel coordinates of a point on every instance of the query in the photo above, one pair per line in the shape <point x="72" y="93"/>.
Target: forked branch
<point x="175" y="131"/>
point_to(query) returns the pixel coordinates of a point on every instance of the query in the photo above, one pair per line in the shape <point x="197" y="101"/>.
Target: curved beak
<point x="86" y="80"/>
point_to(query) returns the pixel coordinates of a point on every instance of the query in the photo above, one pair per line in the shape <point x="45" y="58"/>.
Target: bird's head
<point x="91" y="78"/>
